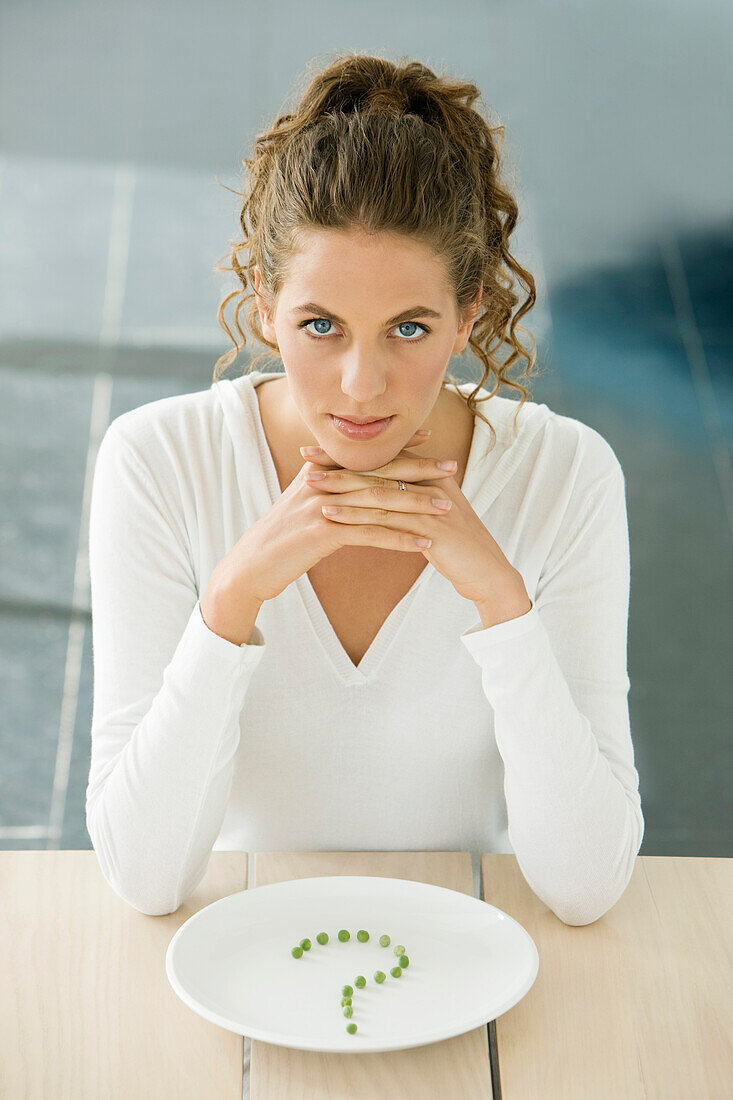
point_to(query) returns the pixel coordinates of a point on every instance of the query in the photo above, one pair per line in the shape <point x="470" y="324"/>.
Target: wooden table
<point x="638" y="1004"/>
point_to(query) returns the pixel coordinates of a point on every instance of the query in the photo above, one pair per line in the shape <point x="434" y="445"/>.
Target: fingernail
<point x="424" y="431"/>
<point x="311" y="451"/>
<point x="448" y="465"/>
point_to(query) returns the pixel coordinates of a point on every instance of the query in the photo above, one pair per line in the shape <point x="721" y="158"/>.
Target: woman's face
<point x="365" y="365"/>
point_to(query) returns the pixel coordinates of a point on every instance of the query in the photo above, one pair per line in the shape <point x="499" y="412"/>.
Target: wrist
<point x="232" y="617"/>
<point x="508" y="606"/>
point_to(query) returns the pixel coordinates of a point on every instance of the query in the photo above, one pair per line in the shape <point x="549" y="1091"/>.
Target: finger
<point x="421" y="436"/>
<point x="385" y="537"/>
<point x="340" y="481"/>
<point x="389" y="502"/>
<point x="409" y="467"/>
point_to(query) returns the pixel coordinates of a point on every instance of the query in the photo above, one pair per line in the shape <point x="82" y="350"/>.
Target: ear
<point x="268" y="329"/>
<point x="464" y="332"/>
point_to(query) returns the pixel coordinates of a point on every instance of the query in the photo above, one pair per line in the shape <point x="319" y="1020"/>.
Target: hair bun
<point x="358" y="83"/>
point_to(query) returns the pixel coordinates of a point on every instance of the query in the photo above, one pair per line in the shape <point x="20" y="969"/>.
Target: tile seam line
<point x="114" y="294"/>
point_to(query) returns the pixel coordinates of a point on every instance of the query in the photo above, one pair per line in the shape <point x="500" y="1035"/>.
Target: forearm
<point x="573" y="810"/>
<point x="158" y="793"/>
<point x="572" y="824"/>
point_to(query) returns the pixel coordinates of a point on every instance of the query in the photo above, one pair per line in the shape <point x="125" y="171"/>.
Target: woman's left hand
<point x="462" y="548"/>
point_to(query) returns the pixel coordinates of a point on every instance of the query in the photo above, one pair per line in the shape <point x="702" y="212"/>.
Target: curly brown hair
<point x="379" y="146"/>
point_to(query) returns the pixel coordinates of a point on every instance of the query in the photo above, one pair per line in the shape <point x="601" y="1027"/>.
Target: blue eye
<point x="325" y="321"/>
<point x="316" y="321"/>
<point x="415" y="324"/>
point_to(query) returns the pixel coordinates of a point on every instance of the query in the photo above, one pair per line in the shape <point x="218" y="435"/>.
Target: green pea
<point x="360" y="981"/>
<point x="322" y="937"/>
<point x="348" y="1010"/>
<point x="395" y="972"/>
<point x="379" y="976"/>
<point x="344" y="935"/>
<point x="404" y="962"/>
<point x="297" y="952"/>
<point x="399" y="949"/>
<point x="362" y="935"/>
<point x="351" y="1028"/>
<point x="306" y="945"/>
<point x="347" y="991"/>
<point x="385" y="941"/>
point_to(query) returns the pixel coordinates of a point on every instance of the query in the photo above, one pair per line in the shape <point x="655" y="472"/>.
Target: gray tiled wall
<point x="108" y="301"/>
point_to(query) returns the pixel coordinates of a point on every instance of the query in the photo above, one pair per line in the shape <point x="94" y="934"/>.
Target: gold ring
<point x="402" y="485"/>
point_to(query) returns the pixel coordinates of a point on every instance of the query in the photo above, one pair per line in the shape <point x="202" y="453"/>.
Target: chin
<point x="361" y="462"/>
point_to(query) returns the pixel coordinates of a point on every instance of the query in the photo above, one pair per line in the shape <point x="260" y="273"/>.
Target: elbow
<point x="578" y="916"/>
<point x="139" y="895"/>
<point x="588" y="908"/>
<point x="144" y="901"/>
<point x="584" y="908"/>
<point x="148" y="905"/>
<point x="163" y="910"/>
<point x="127" y="878"/>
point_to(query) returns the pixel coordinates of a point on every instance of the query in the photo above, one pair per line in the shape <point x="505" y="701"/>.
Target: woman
<point x="269" y="676"/>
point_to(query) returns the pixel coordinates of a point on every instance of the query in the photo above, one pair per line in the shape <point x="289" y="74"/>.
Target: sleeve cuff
<point x="213" y="640"/>
<point x="478" y="639"/>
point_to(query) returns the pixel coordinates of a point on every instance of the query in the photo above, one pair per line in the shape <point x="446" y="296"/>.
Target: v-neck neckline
<point x="476" y="487"/>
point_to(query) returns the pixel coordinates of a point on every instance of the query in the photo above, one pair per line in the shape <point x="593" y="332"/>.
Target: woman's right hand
<point x="294" y="535"/>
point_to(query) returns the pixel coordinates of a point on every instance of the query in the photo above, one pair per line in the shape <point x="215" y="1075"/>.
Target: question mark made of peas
<point x="379" y="976"/>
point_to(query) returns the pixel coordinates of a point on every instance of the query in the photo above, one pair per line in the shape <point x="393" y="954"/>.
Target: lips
<point x="360" y="420"/>
<point x="370" y="430"/>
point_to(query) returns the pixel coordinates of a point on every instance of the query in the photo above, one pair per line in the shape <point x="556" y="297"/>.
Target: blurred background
<point x="119" y="124"/>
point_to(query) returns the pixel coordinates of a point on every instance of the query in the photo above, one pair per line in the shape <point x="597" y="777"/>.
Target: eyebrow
<point x="407" y="315"/>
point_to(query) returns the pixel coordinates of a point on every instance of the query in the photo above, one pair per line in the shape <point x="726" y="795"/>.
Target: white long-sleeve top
<point x="447" y="736"/>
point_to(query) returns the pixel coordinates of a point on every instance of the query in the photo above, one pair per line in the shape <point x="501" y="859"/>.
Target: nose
<point x="363" y="380"/>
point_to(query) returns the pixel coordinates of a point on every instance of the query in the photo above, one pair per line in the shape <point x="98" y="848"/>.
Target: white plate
<point x="469" y="963"/>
